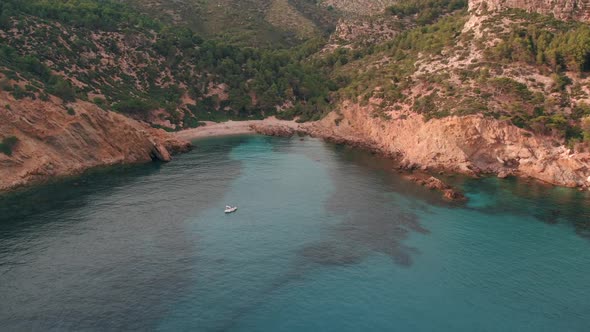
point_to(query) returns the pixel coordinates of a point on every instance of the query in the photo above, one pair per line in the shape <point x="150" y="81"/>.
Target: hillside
<point x="256" y="23"/>
<point x="107" y="54"/>
<point x="485" y="70"/>
<point x="83" y="83"/>
<point x="514" y="81"/>
<point x="40" y="140"/>
<point x="563" y="9"/>
<point x="481" y="64"/>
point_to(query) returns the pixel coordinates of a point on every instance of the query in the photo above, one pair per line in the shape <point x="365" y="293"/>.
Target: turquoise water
<point x="326" y="238"/>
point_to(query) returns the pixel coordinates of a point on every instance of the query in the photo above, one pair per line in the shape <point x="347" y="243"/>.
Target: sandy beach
<point x="212" y="129"/>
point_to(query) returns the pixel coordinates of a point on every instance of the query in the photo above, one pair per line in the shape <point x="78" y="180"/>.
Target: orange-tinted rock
<point x="53" y="143"/>
<point x="470" y="145"/>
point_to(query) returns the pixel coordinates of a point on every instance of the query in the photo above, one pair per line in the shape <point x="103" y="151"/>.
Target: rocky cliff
<point x="55" y="141"/>
<point x="562" y="9"/>
<point x="469" y="144"/>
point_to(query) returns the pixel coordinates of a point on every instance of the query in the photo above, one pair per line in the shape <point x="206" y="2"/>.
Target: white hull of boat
<point x="234" y="209"/>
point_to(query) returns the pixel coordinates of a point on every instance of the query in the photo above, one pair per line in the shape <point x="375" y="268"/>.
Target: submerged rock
<point x="433" y="183"/>
<point x="453" y="195"/>
<point x="505" y="173"/>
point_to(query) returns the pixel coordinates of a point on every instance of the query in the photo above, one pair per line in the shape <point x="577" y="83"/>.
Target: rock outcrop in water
<point x="53" y="141"/>
<point x="432" y="183"/>
<point x="562" y="9"/>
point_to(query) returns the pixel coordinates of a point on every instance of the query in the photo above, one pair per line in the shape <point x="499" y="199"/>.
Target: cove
<point x="326" y="238"/>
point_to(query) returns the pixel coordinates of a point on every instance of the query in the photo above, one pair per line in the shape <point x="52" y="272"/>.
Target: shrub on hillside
<point x="133" y="106"/>
<point x="8" y="145"/>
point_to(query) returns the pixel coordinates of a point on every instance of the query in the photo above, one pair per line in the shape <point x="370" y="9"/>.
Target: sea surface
<point x="326" y="238"/>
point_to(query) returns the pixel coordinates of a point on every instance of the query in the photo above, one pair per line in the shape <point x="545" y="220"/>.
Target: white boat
<point x="229" y="209"/>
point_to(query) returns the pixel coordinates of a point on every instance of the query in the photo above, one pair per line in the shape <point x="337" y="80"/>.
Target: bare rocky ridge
<point x="53" y="143"/>
<point x="562" y="9"/>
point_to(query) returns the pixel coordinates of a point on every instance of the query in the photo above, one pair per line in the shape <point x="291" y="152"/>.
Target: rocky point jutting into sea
<point x="470" y="145"/>
<point x="53" y="143"/>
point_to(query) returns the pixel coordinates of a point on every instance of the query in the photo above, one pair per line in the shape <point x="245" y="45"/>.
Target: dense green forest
<point x="543" y="40"/>
<point x="272" y="76"/>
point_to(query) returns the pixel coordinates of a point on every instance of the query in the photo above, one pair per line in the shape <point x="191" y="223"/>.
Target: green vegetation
<point x="189" y="73"/>
<point x="256" y="80"/>
<point x="544" y="41"/>
<point x="402" y="53"/>
<point x="92" y="14"/>
<point x="7" y="145"/>
<point x="30" y="67"/>
<point x="426" y="11"/>
<point x="252" y="23"/>
<point x="134" y="106"/>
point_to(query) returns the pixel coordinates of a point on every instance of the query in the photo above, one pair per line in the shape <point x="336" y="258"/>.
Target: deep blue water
<point x="326" y="238"/>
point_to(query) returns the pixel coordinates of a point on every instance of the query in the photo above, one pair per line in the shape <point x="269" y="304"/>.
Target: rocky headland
<point x="472" y="145"/>
<point x="54" y="141"/>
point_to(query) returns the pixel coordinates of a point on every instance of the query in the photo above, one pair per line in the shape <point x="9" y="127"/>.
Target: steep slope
<point x="470" y="145"/>
<point x="83" y="83"/>
<point x="106" y="53"/>
<point x="257" y="23"/>
<point x="51" y="140"/>
<point x="502" y="92"/>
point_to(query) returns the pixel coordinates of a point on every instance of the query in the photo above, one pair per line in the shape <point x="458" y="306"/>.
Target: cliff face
<point x="469" y="144"/>
<point x="562" y="9"/>
<point x="474" y="102"/>
<point x="54" y="142"/>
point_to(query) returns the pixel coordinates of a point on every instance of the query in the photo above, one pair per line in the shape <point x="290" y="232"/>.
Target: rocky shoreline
<point x="470" y="145"/>
<point x="421" y="178"/>
<point x="52" y="143"/>
<point x="460" y="146"/>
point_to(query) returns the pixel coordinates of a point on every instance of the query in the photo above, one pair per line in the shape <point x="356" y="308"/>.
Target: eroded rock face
<point x="470" y="145"/>
<point x="54" y="143"/>
<point x="562" y="9"/>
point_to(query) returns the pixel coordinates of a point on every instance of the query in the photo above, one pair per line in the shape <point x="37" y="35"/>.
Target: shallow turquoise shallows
<point x="326" y="238"/>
